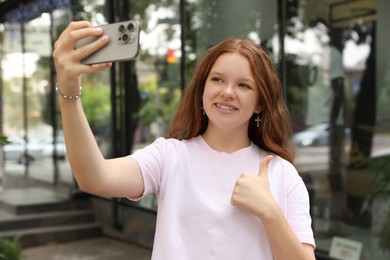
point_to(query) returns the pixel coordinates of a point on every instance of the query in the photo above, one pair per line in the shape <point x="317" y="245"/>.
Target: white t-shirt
<point x="194" y="183"/>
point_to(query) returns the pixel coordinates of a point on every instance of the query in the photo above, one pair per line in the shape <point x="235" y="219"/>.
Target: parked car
<point x="316" y="135"/>
<point x="48" y="146"/>
<point x="15" y="150"/>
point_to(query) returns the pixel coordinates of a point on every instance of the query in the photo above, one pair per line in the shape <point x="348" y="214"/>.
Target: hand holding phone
<point x="123" y="43"/>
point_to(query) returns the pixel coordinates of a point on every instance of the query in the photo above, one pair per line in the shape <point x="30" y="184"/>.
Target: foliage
<point x="171" y="98"/>
<point x="163" y="100"/>
<point x="10" y="249"/>
<point x="381" y="166"/>
<point x="96" y="103"/>
<point x="3" y="139"/>
<point x="147" y="113"/>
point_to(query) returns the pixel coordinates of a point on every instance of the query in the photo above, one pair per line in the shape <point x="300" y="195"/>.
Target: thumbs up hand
<point x="252" y="192"/>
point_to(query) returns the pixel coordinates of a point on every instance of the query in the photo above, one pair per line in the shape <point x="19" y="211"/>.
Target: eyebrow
<point x="241" y="79"/>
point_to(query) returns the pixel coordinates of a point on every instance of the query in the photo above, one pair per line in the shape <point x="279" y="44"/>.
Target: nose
<point x="228" y="91"/>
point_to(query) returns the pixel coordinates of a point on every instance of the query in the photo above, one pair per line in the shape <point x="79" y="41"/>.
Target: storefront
<point x="332" y="58"/>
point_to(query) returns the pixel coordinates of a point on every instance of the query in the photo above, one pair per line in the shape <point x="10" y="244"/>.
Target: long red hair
<point x="274" y="132"/>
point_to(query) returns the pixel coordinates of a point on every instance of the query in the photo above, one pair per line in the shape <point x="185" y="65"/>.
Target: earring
<point x="204" y="113"/>
<point x="257" y="120"/>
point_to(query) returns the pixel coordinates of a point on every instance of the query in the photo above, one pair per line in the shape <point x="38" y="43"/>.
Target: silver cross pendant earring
<point x="257" y="120"/>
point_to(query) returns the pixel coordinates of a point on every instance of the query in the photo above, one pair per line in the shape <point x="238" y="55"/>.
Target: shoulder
<point x="286" y="184"/>
<point x="283" y="164"/>
<point x="284" y="171"/>
<point x="167" y="146"/>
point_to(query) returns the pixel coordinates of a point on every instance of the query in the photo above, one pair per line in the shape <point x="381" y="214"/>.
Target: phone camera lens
<point x="121" y="28"/>
<point x="130" y="27"/>
<point x="125" y="37"/>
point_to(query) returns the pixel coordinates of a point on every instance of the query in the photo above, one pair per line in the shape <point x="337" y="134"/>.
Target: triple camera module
<point x="127" y="33"/>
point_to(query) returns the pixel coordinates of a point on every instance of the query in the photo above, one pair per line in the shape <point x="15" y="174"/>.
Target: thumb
<point x="264" y="165"/>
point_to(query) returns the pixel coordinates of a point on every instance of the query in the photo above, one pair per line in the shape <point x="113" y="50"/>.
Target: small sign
<point x="345" y="249"/>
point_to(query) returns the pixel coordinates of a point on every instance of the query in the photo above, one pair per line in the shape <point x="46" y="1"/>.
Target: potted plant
<point x="10" y="249"/>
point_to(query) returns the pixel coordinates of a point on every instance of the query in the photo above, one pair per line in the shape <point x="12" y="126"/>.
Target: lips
<point x="225" y="107"/>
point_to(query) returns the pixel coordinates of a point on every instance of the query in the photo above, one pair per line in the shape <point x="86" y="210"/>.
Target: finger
<point x="64" y="47"/>
<point x="100" y="66"/>
<point x="263" y="169"/>
<point x="73" y="26"/>
<point x="72" y="35"/>
<point x="77" y="35"/>
<point x="86" y="69"/>
<point x="88" y="49"/>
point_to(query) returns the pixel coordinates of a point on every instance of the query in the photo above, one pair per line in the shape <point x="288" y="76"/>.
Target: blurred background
<point x="332" y="57"/>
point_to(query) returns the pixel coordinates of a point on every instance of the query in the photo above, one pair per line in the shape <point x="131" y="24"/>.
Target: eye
<point x="243" y="85"/>
<point x="216" y="79"/>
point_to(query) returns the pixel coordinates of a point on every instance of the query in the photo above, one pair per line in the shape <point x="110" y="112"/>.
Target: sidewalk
<point x="103" y="248"/>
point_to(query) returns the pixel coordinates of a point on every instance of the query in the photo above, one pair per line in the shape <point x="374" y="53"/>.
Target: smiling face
<point x="231" y="94"/>
<point x="234" y="79"/>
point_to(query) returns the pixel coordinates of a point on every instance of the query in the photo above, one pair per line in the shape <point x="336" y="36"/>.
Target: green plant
<point x="158" y="99"/>
<point x="381" y="165"/>
<point x="96" y="103"/>
<point x="3" y="139"/>
<point x="10" y="249"/>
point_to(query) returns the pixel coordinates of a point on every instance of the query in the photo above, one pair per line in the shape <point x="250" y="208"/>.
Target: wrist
<point x="66" y="96"/>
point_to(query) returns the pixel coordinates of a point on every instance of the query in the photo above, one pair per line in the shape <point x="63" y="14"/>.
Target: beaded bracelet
<point x="59" y="93"/>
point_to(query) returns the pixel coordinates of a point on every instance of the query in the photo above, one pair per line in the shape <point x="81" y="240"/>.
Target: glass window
<point x="337" y="91"/>
<point x="158" y="70"/>
<point x="26" y="74"/>
<point x="212" y="21"/>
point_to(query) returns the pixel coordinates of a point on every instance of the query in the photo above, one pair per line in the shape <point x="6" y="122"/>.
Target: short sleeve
<point x="292" y="195"/>
<point x="298" y="211"/>
<point x="151" y="162"/>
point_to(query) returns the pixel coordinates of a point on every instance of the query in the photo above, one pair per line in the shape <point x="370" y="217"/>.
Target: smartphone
<point x="123" y="44"/>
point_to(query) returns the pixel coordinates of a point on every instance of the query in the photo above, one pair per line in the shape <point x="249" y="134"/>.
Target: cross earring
<point x="257" y="120"/>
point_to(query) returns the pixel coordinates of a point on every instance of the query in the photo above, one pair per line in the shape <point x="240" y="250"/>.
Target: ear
<point x="258" y="110"/>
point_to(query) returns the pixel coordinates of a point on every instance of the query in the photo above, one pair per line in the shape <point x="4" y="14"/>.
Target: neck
<point x="228" y="142"/>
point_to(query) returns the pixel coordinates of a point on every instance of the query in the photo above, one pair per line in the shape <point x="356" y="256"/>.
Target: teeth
<point x="225" y="107"/>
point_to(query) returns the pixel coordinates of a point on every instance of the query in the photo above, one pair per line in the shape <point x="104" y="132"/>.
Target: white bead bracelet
<point x="59" y="93"/>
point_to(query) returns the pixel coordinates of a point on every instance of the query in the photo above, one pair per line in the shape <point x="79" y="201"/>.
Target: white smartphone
<point x="123" y="44"/>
